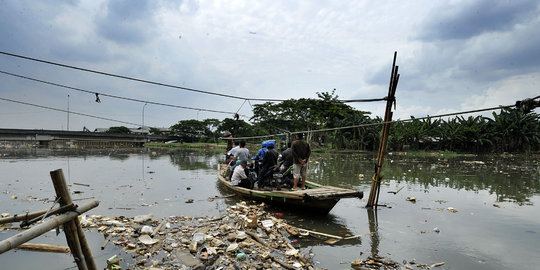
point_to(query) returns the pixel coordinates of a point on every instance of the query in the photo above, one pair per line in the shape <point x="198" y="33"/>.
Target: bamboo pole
<point x="158" y="227"/>
<point x="44" y="247"/>
<point x="44" y="227"/>
<point x="17" y="218"/>
<point x="376" y="183"/>
<point x="106" y="242"/>
<point x="73" y="230"/>
<point x="54" y="211"/>
<point x="70" y="231"/>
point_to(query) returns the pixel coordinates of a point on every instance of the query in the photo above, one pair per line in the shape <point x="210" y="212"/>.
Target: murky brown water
<point x="478" y="236"/>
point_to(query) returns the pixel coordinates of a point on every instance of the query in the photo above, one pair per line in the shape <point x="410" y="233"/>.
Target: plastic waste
<point x="199" y="238"/>
<point x="241" y="256"/>
<point x="146" y="229"/>
<point x="267" y="223"/>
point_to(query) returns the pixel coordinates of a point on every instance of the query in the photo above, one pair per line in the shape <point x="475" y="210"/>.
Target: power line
<point x="71" y="112"/>
<point x="165" y="84"/>
<point x="113" y="96"/>
<point x="379" y="123"/>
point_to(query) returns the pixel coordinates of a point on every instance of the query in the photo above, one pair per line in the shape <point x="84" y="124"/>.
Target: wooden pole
<point x="73" y="230"/>
<point x="17" y="218"/>
<point x="376" y="183"/>
<point x="59" y="210"/>
<point x="44" y="227"/>
<point x="44" y="247"/>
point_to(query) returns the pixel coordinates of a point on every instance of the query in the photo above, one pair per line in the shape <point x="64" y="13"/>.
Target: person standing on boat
<point x="232" y="153"/>
<point x="259" y="159"/>
<point x="300" y="152"/>
<point x="269" y="162"/>
<point x="242" y="153"/>
<point x="259" y="156"/>
<point x="239" y="177"/>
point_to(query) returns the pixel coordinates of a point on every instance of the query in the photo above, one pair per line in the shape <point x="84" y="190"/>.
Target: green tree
<point x="155" y="131"/>
<point x="301" y="114"/>
<point x="189" y="129"/>
<point x="238" y="128"/>
<point x="515" y="131"/>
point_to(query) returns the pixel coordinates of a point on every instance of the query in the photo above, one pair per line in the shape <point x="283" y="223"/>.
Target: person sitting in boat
<point x="239" y="177"/>
<point x="241" y="154"/>
<point x="269" y="163"/>
<point x="286" y="158"/>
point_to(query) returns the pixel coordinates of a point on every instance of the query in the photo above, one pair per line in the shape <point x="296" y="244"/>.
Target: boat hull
<point x="317" y="199"/>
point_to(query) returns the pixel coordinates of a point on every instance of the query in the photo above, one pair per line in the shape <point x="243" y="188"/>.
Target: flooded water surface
<point x="478" y="212"/>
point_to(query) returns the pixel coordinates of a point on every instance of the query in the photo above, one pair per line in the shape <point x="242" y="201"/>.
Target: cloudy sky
<point x="453" y="56"/>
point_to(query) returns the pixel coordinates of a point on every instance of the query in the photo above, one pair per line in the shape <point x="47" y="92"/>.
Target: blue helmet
<point x="265" y="144"/>
<point x="271" y="143"/>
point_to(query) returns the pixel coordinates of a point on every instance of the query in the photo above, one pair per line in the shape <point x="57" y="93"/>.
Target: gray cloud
<point x="299" y="48"/>
<point x="126" y="21"/>
<point x="476" y="17"/>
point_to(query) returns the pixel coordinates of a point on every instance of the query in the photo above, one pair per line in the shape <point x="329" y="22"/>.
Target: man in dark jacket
<point x="286" y="158"/>
<point x="269" y="161"/>
<point x="301" y="152"/>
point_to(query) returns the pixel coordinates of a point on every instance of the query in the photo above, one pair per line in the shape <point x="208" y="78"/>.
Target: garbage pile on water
<point x="379" y="262"/>
<point x="246" y="237"/>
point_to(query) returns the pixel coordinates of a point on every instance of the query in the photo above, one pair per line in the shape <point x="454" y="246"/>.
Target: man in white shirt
<point x="239" y="177"/>
<point x="242" y="153"/>
<point x="232" y="153"/>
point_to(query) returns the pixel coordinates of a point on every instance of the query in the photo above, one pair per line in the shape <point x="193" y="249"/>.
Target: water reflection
<point x="193" y="160"/>
<point x="514" y="179"/>
<point x="373" y="231"/>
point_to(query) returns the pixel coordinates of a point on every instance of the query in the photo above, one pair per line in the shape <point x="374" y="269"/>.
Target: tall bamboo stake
<point x="376" y="184"/>
<point x="73" y="229"/>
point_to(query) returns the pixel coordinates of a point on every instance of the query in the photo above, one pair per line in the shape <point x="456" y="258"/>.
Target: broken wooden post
<point x="376" y="184"/>
<point x="73" y="230"/>
<point x="27" y="235"/>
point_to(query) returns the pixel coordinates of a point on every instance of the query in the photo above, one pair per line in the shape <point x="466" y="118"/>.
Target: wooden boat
<point x="315" y="198"/>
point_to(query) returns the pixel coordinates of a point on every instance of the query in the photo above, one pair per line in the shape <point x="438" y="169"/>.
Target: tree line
<point x="508" y="130"/>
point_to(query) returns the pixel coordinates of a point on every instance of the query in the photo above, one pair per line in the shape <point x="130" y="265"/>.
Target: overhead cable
<point x="378" y="123"/>
<point x="132" y="78"/>
<point x="71" y="112"/>
<point x="164" y="84"/>
<point x="113" y="96"/>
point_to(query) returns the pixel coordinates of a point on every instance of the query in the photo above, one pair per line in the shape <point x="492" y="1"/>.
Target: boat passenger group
<point x="269" y="169"/>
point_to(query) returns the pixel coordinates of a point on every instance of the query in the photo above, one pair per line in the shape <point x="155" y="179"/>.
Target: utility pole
<point x="142" y="127"/>
<point x="377" y="178"/>
<point x="68" y="114"/>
